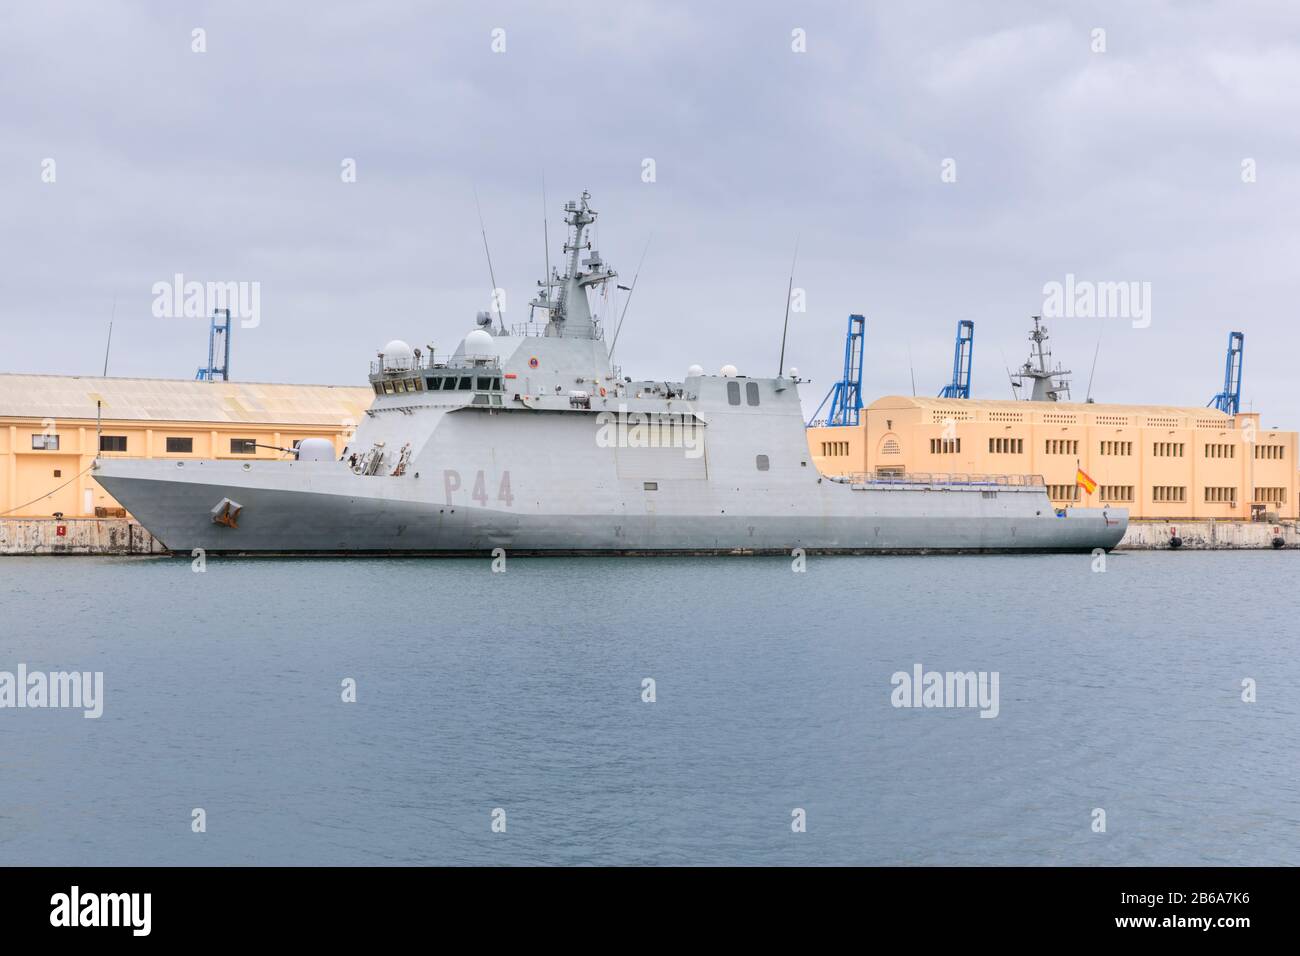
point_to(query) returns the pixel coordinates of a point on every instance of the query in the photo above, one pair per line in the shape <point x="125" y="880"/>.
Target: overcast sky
<point x="226" y="165"/>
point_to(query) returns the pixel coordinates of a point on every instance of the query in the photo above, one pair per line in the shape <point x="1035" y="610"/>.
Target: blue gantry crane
<point x="959" y="387"/>
<point x="219" y="328"/>
<point x="845" y="395"/>
<point x="1229" y="400"/>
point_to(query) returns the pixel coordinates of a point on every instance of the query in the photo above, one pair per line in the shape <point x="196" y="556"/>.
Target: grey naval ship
<point x="530" y="440"/>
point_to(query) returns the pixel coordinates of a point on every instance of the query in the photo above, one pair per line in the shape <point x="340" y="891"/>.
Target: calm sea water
<point x="523" y="691"/>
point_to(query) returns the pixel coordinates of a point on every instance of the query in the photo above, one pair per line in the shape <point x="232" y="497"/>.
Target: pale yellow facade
<point x="48" y="435"/>
<point x="1160" y="462"/>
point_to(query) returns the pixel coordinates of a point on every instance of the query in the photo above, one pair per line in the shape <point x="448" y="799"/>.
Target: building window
<point x="650" y="485"/>
<point x="112" y="443"/>
<point x="45" y="442"/>
<point x="945" y="446"/>
<point x="733" y="393"/>
<point x="1270" y="496"/>
<point x="751" y="393"/>
<point x="1272" y="452"/>
<point x="1167" y="449"/>
<point x="1062" y="446"/>
<point x="1221" y="495"/>
<point x="1063" y="492"/>
<point x="179" y="446"/>
<point x="1007" y="446"/>
<point x="1117" y="448"/>
<point x="1175" y="494"/>
<point x="1220" y="450"/>
<point x="243" y="446"/>
<point x="1116" y="493"/>
<point x="762" y="462"/>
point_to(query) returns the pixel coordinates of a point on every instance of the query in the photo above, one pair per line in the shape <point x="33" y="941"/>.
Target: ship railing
<point x="942" y="478"/>
<point x="430" y="362"/>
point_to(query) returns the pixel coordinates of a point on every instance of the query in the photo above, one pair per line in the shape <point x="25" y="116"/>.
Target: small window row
<point x="440" y="383"/>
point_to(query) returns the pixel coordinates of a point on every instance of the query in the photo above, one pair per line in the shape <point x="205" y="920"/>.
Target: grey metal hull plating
<point x="297" y="520"/>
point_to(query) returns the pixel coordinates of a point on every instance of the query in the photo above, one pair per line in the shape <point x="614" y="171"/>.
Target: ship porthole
<point x="247" y="467"/>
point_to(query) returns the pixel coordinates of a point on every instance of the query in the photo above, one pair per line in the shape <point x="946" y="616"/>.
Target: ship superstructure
<point x="529" y="440"/>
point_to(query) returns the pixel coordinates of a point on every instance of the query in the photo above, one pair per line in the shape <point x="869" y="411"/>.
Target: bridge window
<point x="733" y="393"/>
<point x="484" y="384"/>
<point x="751" y="393"/>
<point x="762" y="462"/>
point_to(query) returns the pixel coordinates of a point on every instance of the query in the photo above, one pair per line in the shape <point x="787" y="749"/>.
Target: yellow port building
<point x="49" y="435"/>
<point x="1160" y="462"/>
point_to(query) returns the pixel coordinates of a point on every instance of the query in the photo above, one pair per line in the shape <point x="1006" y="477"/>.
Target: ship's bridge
<point x="481" y="375"/>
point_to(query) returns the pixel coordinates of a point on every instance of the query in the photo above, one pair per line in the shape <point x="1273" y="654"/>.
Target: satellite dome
<point x="397" y="354"/>
<point x="316" y="449"/>
<point x="695" y="371"/>
<point x="727" y="371"/>
<point x="478" y="342"/>
<point x="794" y="372"/>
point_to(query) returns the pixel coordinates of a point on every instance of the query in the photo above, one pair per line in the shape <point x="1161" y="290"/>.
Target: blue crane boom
<point x="1229" y="400"/>
<point x="219" y="327"/>
<point x="845" y="395"/>
<point x="959" y="387"/>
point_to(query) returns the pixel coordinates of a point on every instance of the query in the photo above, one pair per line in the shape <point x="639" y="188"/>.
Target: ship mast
<point x="1049" y="384"/>
<point x="570" y="313"/>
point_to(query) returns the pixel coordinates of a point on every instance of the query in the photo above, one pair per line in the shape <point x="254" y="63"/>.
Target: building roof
<point x="975" y="409"/>
<point x="179" y="400"/>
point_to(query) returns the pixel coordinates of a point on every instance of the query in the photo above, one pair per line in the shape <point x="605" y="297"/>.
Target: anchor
<point x="226" y="513"/>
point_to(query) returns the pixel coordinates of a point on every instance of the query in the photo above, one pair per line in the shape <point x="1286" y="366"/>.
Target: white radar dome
<point x="316" y="449"/>
<point x="478" y="342"/>
<point x="794" y="372"/>
<point x="397" y="354"/>
<point x="727" y="371"/>
<point x="695" y="371"/>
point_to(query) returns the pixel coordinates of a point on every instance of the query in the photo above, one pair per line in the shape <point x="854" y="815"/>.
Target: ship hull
<point x="335" y="512"/>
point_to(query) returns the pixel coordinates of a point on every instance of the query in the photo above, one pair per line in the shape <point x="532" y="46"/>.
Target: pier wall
<point x="1208" y="535"/>
<point x="76" y="536"/>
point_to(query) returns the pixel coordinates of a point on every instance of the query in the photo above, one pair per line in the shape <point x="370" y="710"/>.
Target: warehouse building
<point x="1160" y="462"/>
<point x="53" y="426"/>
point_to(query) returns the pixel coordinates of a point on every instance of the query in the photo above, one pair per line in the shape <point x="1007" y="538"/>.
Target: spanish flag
<point x="1082" y="479"/>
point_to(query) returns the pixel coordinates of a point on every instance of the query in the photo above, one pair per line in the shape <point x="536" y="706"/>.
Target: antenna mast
<point x="628" y="300"/>
<point x="488" y="253"/>
<point x="789" y="291"/>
